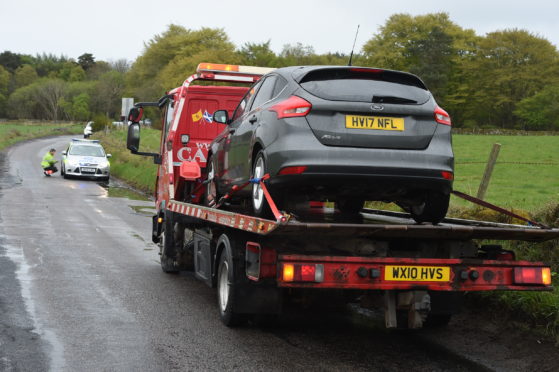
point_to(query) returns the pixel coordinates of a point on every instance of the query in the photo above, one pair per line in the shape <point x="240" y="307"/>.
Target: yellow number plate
<point x="417" y="273"/>
<point x="374" y="122"/>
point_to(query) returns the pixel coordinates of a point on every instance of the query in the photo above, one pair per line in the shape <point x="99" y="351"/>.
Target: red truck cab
<point x="188" y="127"/>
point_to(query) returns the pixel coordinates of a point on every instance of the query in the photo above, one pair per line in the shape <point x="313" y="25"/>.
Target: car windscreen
<point x="365" y="85"/>
<point x="87" y="151"/>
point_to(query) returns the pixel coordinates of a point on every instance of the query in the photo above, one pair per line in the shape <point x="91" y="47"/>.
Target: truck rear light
<point x="292" y="107"/>
<point x="260" y="262"/>
<point x="532" y="275"/>
<point x="303" y="273"/>
<point x="441" y="116"/>
<point x="292" y="170"/>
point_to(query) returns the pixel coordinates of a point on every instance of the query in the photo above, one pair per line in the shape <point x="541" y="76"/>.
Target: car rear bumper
<point x="370" y="172"/>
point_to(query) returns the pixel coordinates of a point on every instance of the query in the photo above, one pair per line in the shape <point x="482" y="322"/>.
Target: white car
<point x="88" y="130"/>
<point x="85" y="158"/>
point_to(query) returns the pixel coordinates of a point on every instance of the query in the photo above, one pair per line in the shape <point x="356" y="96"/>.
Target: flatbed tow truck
<point x="416" y="272"/>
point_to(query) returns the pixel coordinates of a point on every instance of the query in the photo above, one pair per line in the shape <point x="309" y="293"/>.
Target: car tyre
<point x="226" y="295"/>
<point x="350" y="206"/>
<point x="211" y="196"/>
<point x="433" y="209"/>
<point x="259" y="203"/>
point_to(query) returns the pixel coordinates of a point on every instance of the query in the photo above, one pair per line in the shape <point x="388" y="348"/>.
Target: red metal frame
<point x="342" y="273"/>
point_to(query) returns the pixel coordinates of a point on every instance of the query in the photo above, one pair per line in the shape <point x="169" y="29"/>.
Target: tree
<point x="297" y="54"/>
<point x="86" y="61"/>
<point x="108" y="94"/>
<point x="430" y="46"/>
<point x="540" y="111"/>
<point x="77" y="108"/>
<point x="25" y="75"/>
<point x="254" y="54"/>
<point x="49" y="94"/>
<point x="22" y="103"/>
<point x="509" y="66"/>
<point x="10" y="61"/>
<point x="171" y="57"/>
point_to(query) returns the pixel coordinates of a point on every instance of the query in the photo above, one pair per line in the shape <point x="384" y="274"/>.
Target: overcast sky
<point x="116" y="29"/>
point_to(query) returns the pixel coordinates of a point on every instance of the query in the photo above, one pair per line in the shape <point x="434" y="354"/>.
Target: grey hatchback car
<point x="344" y="134"/>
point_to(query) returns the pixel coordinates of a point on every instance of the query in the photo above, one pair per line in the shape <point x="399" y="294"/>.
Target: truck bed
<point x="371" y="223"/>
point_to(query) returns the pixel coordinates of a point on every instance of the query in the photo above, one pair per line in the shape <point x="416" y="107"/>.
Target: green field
<point x="525" y="177"/>
<point x="11" y="133"/>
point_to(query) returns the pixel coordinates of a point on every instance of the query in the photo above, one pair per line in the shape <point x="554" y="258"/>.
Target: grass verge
<point x="11" y="133"/>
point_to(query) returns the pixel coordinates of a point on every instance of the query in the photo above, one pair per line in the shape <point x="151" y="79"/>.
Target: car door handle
<point x="253" y="119"/>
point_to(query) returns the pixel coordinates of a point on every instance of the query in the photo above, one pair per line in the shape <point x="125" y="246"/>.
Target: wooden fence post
<point x="488" y="171"/>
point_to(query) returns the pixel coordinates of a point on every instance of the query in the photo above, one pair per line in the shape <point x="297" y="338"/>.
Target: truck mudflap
<point x="389" y="273"/>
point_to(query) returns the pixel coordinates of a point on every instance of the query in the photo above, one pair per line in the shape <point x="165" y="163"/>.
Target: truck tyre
<point x="259" y="203"/>
<point x="433" y="209"/>
<point x="167" y="245"/>
<point x="226" y="291"/>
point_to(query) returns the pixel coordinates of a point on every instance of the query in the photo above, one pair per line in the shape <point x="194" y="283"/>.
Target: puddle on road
<point x="123" y="192"/>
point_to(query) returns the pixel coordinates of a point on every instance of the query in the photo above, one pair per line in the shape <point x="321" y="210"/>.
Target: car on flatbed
<point x="337" y="133"/>
<point x="85" y="159"/>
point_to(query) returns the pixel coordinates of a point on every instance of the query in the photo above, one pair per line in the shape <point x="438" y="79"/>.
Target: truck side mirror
<point x="135" y="114"/>
<point x="133" y="139"/>
<point x="221" y="116"/>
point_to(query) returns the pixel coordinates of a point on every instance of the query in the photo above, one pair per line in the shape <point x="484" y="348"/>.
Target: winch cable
<point x="498" y="209"/>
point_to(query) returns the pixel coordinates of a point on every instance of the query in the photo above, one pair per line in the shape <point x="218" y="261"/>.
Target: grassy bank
<point x="11" y="133"/>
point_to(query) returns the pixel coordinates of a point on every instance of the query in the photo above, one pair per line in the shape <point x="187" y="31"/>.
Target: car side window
<point x="243" y="105"/>
<point x="264" y="94"/>
<point x="280" y="84"/>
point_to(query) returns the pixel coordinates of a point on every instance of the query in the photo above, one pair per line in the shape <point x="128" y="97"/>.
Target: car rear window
<point x="365" y="85"/>
<point x="87" y="151"/>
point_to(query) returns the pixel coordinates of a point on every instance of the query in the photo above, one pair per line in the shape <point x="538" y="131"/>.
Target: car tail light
<point x="292" y="170"/>
<point x="441" y="116"/>
<point x="303" y="273"/>
<point x="532" y="275"/>
<point x="447" y="175"/>
<point x="291" y="107"/>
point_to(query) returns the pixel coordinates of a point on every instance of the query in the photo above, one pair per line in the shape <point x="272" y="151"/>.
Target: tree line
<point x="504" y="79"/>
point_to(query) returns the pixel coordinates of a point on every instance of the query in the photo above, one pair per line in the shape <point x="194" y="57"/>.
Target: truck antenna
<point x="354" y="40"/>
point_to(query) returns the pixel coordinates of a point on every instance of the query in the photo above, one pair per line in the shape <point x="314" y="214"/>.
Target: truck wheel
<point x="226" y="291"/>
<point x="433" y="209"/>
<point x="210" y="196"/>
<point x="350" y="206"/>
<point x="259" y="202"/>
<point x="167" y="245"/>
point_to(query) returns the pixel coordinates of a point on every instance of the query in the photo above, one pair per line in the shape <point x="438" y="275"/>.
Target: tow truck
<point x="416" y="272"/>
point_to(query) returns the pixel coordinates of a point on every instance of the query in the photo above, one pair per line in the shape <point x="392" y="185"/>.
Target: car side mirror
<point x="133" y="139"/>
<point x="135" y="114"/>
<point x="221" y="116"/>
<point x="64" y="153"/>
<point x="109" y="155"/>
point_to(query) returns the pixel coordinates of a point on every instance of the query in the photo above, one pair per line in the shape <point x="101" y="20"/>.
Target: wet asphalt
<point x="81" y="289"/>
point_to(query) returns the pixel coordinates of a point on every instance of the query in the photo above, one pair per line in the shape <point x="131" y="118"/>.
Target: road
<point x="81" y="289"/>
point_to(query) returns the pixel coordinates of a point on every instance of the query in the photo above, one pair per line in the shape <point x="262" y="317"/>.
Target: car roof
<point x="297" y="73"/>
<point x="77" y="141"/>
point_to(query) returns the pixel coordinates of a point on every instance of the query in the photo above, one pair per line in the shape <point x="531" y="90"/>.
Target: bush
<point x="100" y="122"/>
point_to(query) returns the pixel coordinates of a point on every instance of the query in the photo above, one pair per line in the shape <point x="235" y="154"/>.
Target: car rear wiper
<point x="392" y="99"/>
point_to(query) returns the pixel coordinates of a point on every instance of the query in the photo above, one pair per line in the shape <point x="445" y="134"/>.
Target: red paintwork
<point x="341" y="273"/>
<point x="198" y="100"/>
